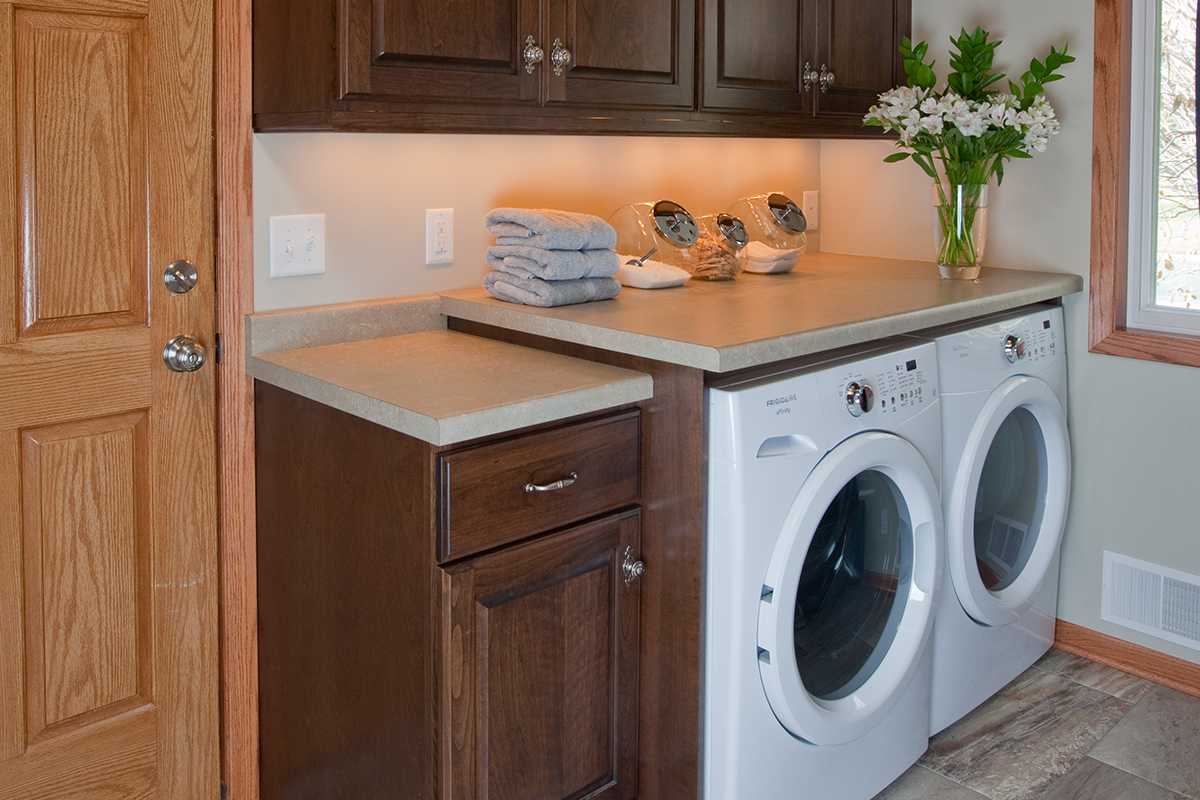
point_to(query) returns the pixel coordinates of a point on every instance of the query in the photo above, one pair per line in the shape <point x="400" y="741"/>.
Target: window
<point x="1118" y="162"/>
<point x="1164" y="233"/>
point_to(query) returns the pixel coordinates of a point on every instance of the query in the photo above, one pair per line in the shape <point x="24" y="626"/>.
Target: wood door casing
<point x="541" y="644"/>
<point x="108" y="574"/>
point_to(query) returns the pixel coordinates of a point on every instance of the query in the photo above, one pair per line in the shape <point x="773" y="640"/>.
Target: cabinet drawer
<point x="489" y="494"/>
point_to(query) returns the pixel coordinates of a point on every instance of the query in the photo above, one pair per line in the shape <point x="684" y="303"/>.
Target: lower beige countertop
<point x="436" y="385"/>
<point x="828" y="301"/>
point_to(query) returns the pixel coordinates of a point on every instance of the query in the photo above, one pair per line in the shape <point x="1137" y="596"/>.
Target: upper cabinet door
<point x="755" y="52"/>
<point x="621" y="52"/>
<point x="858" y="51"/>
<point x="443" y="50"/>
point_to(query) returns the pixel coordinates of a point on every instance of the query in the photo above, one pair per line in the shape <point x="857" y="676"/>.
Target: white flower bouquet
<point x="962" y="135"/>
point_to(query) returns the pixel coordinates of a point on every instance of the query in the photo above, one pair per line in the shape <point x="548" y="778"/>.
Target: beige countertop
<point x="828" y="301"/>
<point x="436" y="385"/>
<point x="393" y="362"/>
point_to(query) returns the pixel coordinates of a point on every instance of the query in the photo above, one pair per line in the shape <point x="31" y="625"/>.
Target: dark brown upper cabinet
<point x="827" y="59"/>
<point x="571" y="66"/>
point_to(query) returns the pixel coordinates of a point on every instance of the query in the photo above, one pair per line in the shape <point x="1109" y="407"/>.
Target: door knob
<point x="183" y="354"/>
<point x="180" y="276"/>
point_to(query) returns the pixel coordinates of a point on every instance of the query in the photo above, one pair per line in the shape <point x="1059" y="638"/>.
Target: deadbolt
<point x="180" y="276"/>
<point x="183" y="354"/>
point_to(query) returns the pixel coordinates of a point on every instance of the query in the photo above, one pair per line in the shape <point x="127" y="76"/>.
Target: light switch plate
<point x="297" y="245"/>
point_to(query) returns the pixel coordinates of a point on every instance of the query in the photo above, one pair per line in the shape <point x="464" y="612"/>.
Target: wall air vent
<point x="1156" y="600"/>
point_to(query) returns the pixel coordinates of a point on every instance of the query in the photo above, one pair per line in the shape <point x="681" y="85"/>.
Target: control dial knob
<point x="859" y="398"/>
<point x="1014" y="348"/>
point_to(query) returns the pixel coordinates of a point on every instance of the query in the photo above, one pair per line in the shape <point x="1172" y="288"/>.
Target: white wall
<point x="1136" y="439"/>
<point x="1134" y="483"/>
<point x="374" y="189"/>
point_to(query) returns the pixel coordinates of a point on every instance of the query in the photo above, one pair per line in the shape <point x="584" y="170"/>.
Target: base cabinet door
<point x="539" y="649"/>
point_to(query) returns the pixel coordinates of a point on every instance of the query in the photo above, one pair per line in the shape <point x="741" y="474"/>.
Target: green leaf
<point x="894" y="157"/>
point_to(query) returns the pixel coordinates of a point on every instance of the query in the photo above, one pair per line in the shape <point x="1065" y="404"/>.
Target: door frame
<point x="235" y="401"/>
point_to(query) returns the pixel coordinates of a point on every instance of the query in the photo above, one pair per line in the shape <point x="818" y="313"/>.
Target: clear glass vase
<point x="961" y="228"/>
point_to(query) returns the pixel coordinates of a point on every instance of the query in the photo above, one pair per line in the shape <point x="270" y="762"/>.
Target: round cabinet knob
<point x="632" y="568"/>
<point x="532" y="54"/>
<point x="860" y="398"/>
<point x="560" y="57"/>
<point x="1014" y="348"/>
<point x="183" y="354"/>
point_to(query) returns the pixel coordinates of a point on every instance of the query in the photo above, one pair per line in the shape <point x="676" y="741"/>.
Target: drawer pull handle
<point x="552" y="487"/>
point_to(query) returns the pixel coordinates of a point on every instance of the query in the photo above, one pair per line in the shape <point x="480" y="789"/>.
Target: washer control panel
<point x="890" y="384"/>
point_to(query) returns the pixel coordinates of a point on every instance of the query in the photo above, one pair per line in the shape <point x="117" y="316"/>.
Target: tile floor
<point x="1066" y="729"/>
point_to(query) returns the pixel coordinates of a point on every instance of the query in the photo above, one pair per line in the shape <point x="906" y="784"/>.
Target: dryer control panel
<point x="1025" y="344"/>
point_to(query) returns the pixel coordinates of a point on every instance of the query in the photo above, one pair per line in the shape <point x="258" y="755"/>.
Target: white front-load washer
<point x="824" y="559"/>
<point x="1005" y="484"/>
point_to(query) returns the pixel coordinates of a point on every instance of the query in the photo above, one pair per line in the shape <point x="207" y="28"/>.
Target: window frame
<point x="1108" y="332"/>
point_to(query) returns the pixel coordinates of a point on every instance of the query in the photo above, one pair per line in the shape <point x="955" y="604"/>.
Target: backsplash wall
<point x="374" y="189"/>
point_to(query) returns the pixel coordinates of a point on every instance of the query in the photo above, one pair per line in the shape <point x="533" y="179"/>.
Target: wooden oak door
<point x="108" y="573"/>
<point x="541" y="657"/>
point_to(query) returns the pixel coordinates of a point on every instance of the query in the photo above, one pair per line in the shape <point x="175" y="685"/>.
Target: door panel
<point x="447" y="50"/>
<point x="749" y="65"/>
<point x="82" y="209"/>
<point x="635" y="52"/>
<point x="858" y="40"/>
<point x="108" y="574"/>
<point x="542" y="652"/>
<point x="86" y="565"/>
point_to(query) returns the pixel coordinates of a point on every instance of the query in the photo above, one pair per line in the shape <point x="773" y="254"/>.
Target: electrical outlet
<point x="812" y="209"/>
<point x="439" y="235"/>
<point x="297" y="245"/>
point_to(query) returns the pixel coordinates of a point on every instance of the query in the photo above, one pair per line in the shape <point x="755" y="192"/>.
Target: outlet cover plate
<point x="439" y="236"/>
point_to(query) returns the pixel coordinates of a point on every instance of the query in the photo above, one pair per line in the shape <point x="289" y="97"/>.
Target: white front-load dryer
<point x="824" y="560"/>
<point x="1005" y="485"/>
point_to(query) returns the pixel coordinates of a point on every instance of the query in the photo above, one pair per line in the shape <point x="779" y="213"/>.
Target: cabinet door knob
<point x="809" y="76"/>
<point x="532" y="53"/>
<point x="559" y="57"/>
<point x="551" y="487"/>
<point x="826" y="79"/>
<point x="632" y="568"/>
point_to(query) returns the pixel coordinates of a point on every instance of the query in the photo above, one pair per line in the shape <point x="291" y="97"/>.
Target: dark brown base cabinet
<point x="428" y="628"/>
<point x="678" y="67"/>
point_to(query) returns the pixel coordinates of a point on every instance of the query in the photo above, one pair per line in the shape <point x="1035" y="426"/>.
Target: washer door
<point x="848" y="597"/>
<point x="1006" y="509"/>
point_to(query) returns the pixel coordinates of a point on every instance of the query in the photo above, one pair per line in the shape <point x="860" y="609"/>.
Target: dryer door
<point x="848" y="597"/>
<point x="1008" y="503"/>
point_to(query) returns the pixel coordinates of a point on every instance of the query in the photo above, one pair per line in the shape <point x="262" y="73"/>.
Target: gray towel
<point x="545" y="294"/>
<point x="550" y="229"/>
<point x="552" y="265"/>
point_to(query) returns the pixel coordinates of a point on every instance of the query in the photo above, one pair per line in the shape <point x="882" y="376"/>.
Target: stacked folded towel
<point x="544" y="257"/>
